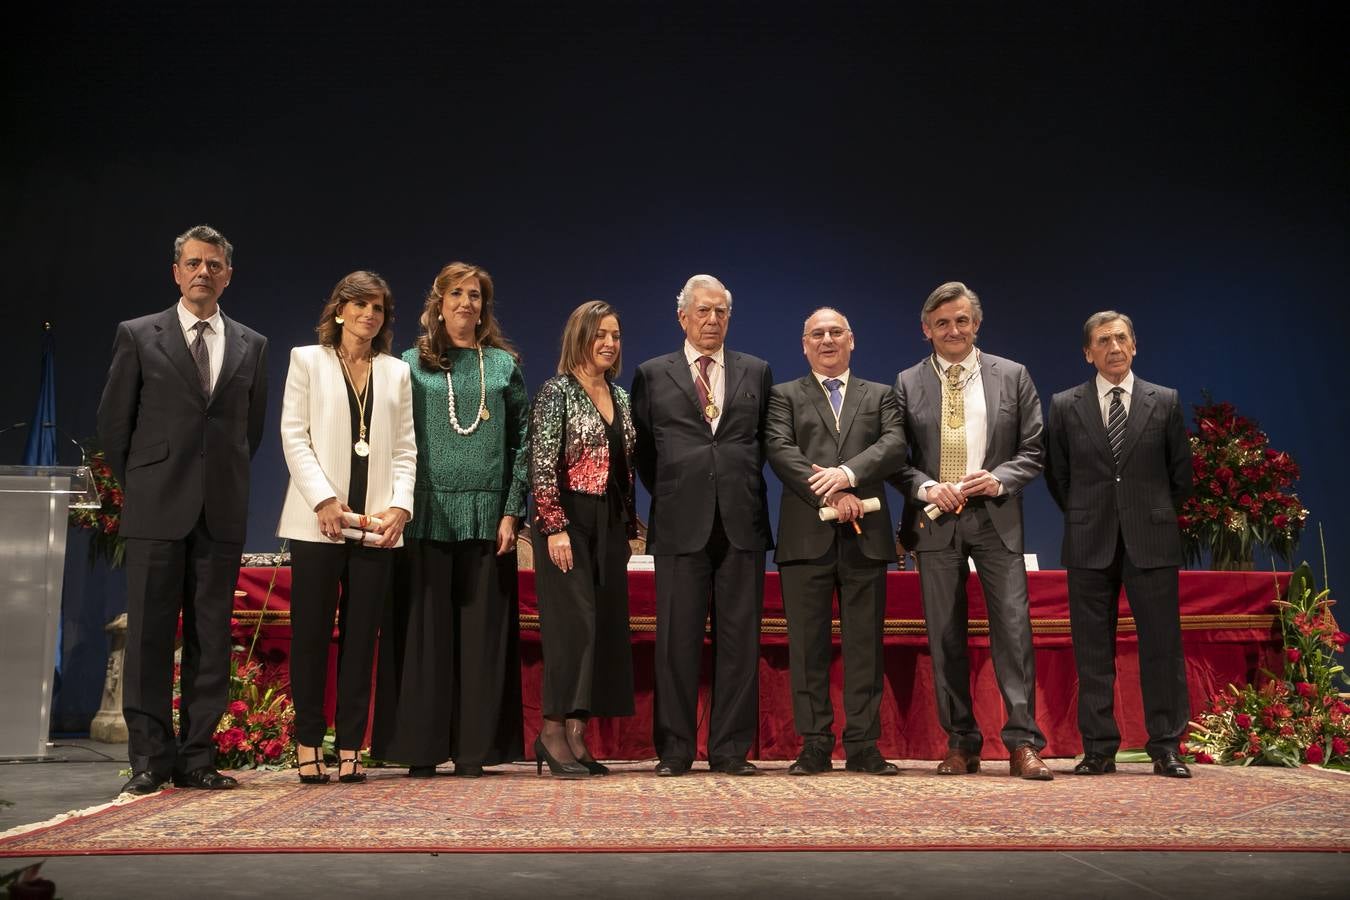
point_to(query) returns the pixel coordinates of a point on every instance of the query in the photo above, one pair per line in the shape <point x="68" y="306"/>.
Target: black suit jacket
<point x="1014" y="448"/>
<point x="870" y="440"/>
<point x="1141" y="501"/>
<point x="690" y="471"/>
<point x="174" y="451"/>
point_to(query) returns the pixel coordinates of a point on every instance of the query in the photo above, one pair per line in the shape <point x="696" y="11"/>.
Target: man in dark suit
<point x="832" y="439"/>
<point x="699" y="414"/>
<point x="180" y="418"/>
<point x="1119" y="467"/>
<point x="973" y="426"/>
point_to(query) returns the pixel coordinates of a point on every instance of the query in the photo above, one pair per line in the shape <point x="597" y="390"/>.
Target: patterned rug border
<point x="1130" y="835"/>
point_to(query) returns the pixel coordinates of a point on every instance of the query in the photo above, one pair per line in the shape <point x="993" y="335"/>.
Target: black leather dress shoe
<point x="421" y="771"/>
<point x="669" y="768"/>
<point x="468" y="770"/>
<point x="811" y="761"/>
<point x="1171" y="765"/>
<point x="206" y="778"/>
<point x="736" y="765"/>
<point x="1095" y="764"/>
<point x="870" y="762"/>
<point x="143" y="783"/>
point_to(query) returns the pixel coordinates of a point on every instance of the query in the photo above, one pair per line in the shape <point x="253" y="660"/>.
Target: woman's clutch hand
<point x="394" y="519"/>
<point x="329" y="513"/>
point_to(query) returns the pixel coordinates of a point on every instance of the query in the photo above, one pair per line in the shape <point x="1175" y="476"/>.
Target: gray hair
<point x="820" y="309"/>
<point x="1098" y="319"/>
<point x="707" y="282"/>
<point x="945" y="293"/>
<point x="207" y="235"/>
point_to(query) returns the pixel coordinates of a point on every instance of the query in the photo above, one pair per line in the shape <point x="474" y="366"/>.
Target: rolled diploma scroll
<point x="359" y="522"/>
<point x="828" y="513"/>
<point x="367" y="538"/>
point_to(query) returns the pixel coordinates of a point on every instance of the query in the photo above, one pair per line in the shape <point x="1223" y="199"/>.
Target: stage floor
<point x="40" y="791"/>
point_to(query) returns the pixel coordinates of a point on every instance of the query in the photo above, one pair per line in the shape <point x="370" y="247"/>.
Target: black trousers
<point x="449" y="673"/>
<point x="731" y="580"/>
<point x="583" y="613"/>
<point x="1094" y="605"/>
<point x="1003" y="574"/>
<point x="809" y="589"/>
<point x="353" y="582"/>
<point x="196" y="575"/>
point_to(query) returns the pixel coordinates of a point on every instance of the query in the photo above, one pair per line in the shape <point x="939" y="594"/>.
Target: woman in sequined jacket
<point x="581" y="474"/>
<point x="449" y="673"/>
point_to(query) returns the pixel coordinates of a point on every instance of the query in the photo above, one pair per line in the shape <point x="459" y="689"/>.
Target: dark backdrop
<point x="1185" y="164"/>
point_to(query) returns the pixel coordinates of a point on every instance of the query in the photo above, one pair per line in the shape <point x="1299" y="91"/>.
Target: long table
<point x="1229" y="632"/>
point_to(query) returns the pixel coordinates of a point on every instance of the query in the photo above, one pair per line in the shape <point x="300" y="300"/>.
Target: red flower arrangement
<point x="1297" y="717"/>
<point x="1240" y="499"/>
<point x="104" y="521"/>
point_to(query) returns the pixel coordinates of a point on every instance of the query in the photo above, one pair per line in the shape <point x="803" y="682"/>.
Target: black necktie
<point x="201" y="357"/>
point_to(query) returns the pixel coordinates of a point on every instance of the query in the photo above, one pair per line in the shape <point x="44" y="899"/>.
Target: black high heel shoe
<point x="318" y="777"/>
<point x="353" y="777"/>
<point x="595" y="767"/>
<point x="556" y="768"/>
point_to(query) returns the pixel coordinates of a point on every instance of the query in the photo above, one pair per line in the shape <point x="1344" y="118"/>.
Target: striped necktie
<point x="1115" y="423"/>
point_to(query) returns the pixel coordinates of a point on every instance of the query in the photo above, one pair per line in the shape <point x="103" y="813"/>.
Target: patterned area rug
<point x="630" y="811"/>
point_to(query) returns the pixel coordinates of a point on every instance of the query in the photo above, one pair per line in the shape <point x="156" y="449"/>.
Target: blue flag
<point x="41" y="447"/>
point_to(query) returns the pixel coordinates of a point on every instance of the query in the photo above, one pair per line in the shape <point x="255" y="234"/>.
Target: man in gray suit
<point x="699" y="414"/>
<point x="832" y="439"/>
<point x="180" y="417"/>
<point x="973" y="426"/>
<point x="1119" y="467"/>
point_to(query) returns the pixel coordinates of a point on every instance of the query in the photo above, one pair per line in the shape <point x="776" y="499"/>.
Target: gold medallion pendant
<point x="711" y="411"/>
<point x="955" y="422"/>
<point x="361" y="448"/>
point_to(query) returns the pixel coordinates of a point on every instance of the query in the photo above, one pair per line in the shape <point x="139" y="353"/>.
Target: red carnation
<point x="1339" y="640"/>
<point x="1203" y="757"/>
<point x="238" y="708"/>
<point x="1280" y="521"/>
<point x="1305" y="689"/>
<point x="1313" y="754"/>
<point x="1292" y="654"/>
<point x="1223" y="473"/>
<point x="1243" y="721"/>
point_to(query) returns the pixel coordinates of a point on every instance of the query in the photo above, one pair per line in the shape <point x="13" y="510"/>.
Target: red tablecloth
<point x="1229" y="633"/>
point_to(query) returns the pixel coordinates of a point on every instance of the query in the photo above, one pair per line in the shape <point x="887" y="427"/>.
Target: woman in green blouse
<point x="449" y="668"/>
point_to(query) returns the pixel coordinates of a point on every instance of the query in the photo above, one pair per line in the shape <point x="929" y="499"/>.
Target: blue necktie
<point x="836" y="399"/>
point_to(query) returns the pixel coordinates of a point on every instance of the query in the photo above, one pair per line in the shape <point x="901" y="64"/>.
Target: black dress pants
<point x="353" y="581"/>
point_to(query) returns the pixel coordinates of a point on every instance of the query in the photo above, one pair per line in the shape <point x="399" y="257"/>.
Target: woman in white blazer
<point x="347" y="434"/>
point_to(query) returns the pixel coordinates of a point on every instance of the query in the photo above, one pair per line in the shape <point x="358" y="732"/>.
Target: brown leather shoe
<point x="959" y="762"/>
<point x="1025" y="763"/>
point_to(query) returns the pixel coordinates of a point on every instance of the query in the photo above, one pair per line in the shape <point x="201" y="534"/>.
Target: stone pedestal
<point x="108" y="725"/>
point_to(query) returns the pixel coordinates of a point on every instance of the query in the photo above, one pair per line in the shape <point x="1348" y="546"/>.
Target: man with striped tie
<point x="1119" y="466"/>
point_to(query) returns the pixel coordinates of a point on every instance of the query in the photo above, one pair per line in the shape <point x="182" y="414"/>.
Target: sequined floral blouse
<point x="579" y="459"/>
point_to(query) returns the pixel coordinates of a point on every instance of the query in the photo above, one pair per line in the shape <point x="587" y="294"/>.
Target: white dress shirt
<point x="1104" y="389"/>
<point x="716" y="377"/>
<point x="214" y="338"/>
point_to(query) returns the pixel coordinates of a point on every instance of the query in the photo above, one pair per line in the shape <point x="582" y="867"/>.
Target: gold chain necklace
<point x="360" y="448"/>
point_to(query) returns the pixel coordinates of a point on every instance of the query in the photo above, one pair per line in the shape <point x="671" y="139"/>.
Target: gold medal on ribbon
<point x="711" y="410"/>
<point x="361" y="448"/>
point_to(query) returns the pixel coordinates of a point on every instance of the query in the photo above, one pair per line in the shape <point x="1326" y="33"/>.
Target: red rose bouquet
<point x="1294" y="718"/>
<point x="1241" y="498"/>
